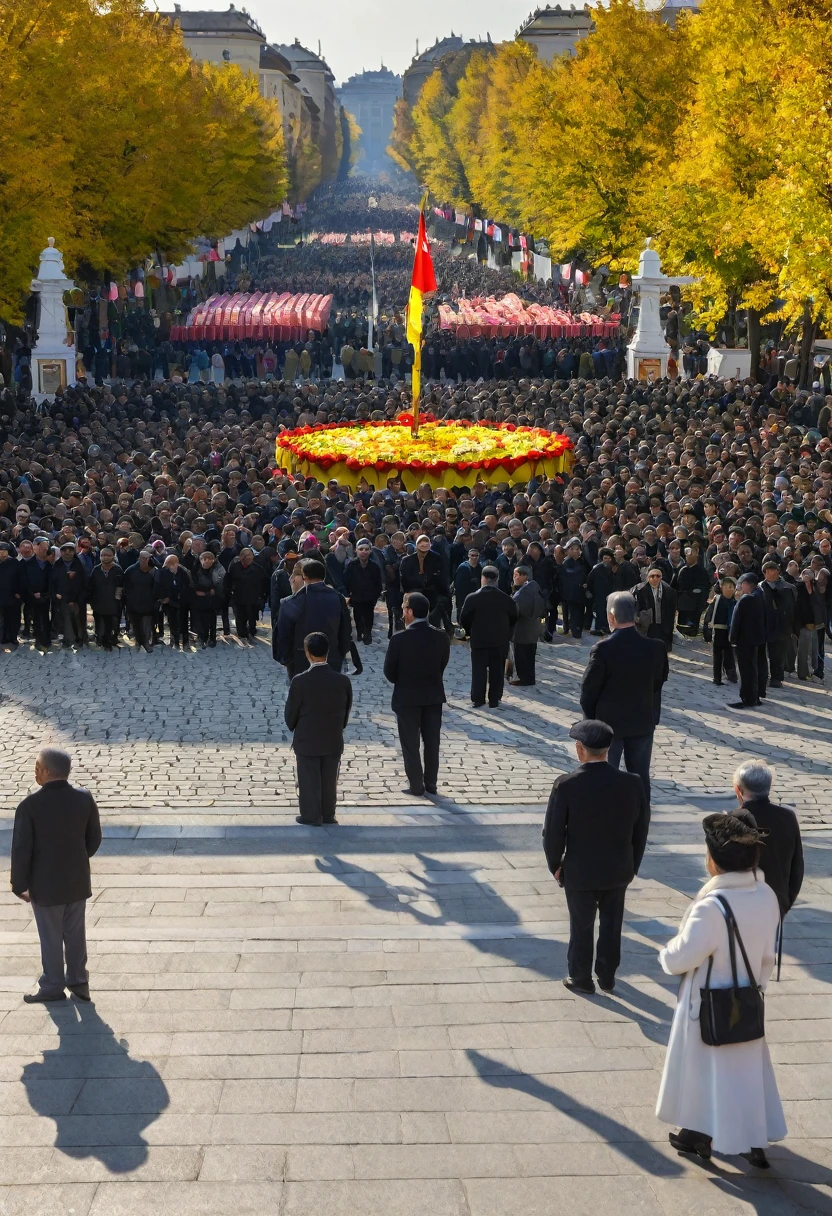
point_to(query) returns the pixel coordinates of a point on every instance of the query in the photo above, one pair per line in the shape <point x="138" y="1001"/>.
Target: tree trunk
<point x="810" y="330"/>
<point x="754" y="343"/>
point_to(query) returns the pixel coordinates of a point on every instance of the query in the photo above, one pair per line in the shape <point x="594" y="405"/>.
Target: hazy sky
<point x="359" y="34"/>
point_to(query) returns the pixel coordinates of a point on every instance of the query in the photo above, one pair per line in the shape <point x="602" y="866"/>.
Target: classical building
<point x="317" y="82"/>
<point x="370" y="98"/>
<point x="424" y="64"/>
<point x="557" y="30"/>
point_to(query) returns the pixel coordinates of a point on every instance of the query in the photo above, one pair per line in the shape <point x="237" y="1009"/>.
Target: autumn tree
<point x="117" y="144"/>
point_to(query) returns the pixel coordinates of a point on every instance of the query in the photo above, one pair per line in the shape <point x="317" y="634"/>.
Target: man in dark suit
<point x="780" y="599"/>
<point x="781" y="858"/>
<point x="748" y="637"/>
<point x="488" y="617"/>
<point x="56" y="832"/>
<point x="317" y="711"/>
<point x="315" y="608"/>
<point x="594" y="836"/>
<point x="622" y="686"/>
<point x="657" y="600"/>
<point x="415" y="660"/>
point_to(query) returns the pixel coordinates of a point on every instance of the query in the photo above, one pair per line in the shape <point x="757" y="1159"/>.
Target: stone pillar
<point x="53" y="357"/>
<point x="648" y="352"/>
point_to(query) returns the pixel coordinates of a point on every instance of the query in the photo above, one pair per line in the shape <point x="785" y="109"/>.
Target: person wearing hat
<point x="37" y="577"/>
<point x="69" y="583"/>
<point x="594" y="836"/>
<point x="572" y="588"/>
<point x="622" y="686"/>
<point x="362" y="586"/>
<point x="747" y="634"/>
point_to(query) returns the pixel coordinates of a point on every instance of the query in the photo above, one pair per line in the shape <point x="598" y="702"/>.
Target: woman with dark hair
<point x="722" y="1097"/>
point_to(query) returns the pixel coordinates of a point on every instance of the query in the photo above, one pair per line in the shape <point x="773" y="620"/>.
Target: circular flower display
<point x="443" y="453"/>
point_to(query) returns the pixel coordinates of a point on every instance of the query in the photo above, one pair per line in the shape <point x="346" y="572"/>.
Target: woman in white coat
<point x="726" y="1097"/>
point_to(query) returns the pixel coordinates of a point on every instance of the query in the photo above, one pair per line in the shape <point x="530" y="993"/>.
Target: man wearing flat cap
<point x="594" y="836"/>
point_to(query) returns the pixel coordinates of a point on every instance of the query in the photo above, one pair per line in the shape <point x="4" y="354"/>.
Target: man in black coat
<point x="174" y="591"/>
<point x="317" y="711"/>
<point x="56" y="831"/>
<point x="140" y="598"/>
<point x="594" y="836"/>
<point x="11" y="595"/>
<point x="415" y="660"/>
<point x="244" y="587"/>
<point x="104" y="592"/>
<point x="780" y="600"/>
<point x="467" y="578"/>
<point x="781" y="857"/>
<point x="69" y="582"/>
<point x="37" y="582"/>
<point x="315" y="608"/>
<point x="748" y="636"/>
<point x="658" y="598"/>
<point x="488" y="617"/>
<point x="424" y="571"/>
<point x="363" y="583"/>
<point x="622" y="686"/>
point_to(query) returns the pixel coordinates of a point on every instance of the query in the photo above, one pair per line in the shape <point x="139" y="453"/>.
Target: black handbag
<point x="735" y="1014"/>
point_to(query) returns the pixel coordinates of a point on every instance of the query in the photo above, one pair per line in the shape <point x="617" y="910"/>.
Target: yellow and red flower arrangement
<point x="445" y="453"/>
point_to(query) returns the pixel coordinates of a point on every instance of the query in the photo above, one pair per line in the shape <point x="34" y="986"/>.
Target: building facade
<point x="555" y="31"/>
<point x="370" y="97"/>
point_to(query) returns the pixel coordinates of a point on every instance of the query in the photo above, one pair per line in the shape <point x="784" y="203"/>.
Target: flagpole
<point x="373" y="297"/>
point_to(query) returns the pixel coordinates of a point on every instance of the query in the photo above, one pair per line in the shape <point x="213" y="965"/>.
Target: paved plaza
<point x="369" y="1019"/>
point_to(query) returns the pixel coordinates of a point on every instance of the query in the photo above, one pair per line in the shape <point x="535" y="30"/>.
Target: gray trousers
<point x="61" y="927"/>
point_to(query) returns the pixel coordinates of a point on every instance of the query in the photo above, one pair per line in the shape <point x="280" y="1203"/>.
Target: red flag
<point x="424" y="280"/>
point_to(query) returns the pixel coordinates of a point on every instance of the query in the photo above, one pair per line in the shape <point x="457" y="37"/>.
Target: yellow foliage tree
<point x="145" y="150"/>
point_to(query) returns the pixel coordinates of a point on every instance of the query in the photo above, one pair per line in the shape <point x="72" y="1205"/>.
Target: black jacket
<point x="596" y="826"/>
<point x="466" y="580"/>
<point x="363" y="583"/>
<point x="314" y="608"/>
<point x="415" y="660"/>
<point x="693" y="585"/>
<point x="11" y="583"/>
<point x="431" y="581"/>
<point x="317" y="710"/>
<point x="69" y="581"/>
<point x="177" y="588"/>
<point x="102" y="588"/>
<point x="781" y="857"/>
<point x="244" y="585"/>
<point x="488" y="617"/>
<point x="646" y="602"/>
<point x="622" y="684"/>
<point x="56" y="832"/>
<point x="748" y="624"/>
<point x="573" y="573"/>
<point x="36" y="579"/>
<point x="139" y="590"/>
<point x="530" y="611"/>
<point x="780" y="601"/>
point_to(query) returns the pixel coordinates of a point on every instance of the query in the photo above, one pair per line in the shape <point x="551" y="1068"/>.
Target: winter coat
<point x="727" y="1092"/>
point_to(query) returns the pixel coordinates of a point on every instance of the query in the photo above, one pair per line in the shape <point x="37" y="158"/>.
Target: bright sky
<point x="359" y="34"/>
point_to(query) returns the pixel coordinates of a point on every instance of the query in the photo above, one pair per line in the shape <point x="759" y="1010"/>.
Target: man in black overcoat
<point x="488" y="617"/>
<point x="415" y="660"/>
<point x="56" y="831"/>
<point x="594" y="837"/>
<point x="317" y="711"/>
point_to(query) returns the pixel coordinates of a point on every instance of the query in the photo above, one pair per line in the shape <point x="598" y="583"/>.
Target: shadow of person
<point x="626" y="1141"/>
<point x="116" y="1097"/>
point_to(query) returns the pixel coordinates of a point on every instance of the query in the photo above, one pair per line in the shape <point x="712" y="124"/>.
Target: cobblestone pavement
<point x="369" y="1019"/>
<point x="204" y="731"/>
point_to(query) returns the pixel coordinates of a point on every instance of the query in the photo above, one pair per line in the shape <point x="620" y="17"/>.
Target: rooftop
<point x="300" y="57"/>
<point x="231" y="21"/>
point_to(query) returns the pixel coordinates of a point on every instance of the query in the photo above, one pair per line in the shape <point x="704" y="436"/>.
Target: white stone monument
<point x="53" y="358"/>
<point x="648" y="352"/>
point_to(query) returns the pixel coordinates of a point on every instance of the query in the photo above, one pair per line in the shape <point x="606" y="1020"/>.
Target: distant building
<point x="370" y="98"/>
<point x="424" y="64"/>
<point x="557" y="30"/>
<point x="317" y="81"/>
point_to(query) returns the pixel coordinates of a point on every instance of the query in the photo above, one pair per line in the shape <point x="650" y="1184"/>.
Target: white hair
<point x="754" y="778"/>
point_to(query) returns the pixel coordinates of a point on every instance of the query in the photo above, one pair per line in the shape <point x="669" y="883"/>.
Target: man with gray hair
<point x="622" y="686"/>
<point x="56" y="831"/>
<point x="781" y="858"/>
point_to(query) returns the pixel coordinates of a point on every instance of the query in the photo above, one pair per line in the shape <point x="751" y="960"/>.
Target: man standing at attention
<point x="622" y="686"/>
<point x="56" y="832"/>
<point x="594" y="837"/>
<point x="748" y="637"/>
<point x="415" y="661"/>
<point x="314" y="608"/>
<point x="317" y="711"/>
<point x="488" y="617"/>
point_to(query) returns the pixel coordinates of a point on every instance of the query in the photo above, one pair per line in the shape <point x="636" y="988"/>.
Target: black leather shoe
<point x="585" y="987"/>
<point x="38" y="998"/>
<point x="685" y="1141"/>
<point x="307" y="823"/>
<point x="413" y="793"/>
<point x="740" y="705"/>
<point x="431" y="789"/>
<point x="606" y="985"/>
<point x="757" y="1158"/>
<point x="81" y="991"/>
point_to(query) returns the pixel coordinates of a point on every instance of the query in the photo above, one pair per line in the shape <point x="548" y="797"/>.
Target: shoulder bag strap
<point x="734" y="933"/>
